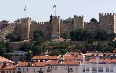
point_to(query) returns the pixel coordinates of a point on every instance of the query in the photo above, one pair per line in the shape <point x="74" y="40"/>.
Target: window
<point x="23" y="69"/>
<point x="100" y="69"/>
<point x="48" y="70"/>
<point x="84" y="69"/>
<point x="87" y="68"/>
<point x="111" y="69"/>
<point x="70" y="70"/>
<point x="94" y="68"/>
<point x="107" y="69"/>
<point x="40" y="71"/>
<point x="62" y="68"/>
<point x="27" y="69"/>
<point x="19" y="68"/>
<point x="55" y="68"/>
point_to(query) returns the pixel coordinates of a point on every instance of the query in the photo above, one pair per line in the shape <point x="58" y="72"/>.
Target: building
<point x="70" y="63"/>
<point x="55" y="27"/>
<point x="6" y="66"/>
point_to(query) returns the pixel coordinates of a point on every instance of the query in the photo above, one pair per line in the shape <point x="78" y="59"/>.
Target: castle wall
<point x="91" y="26"/>
<point x="25" y="28"/>
<point x="8" y="29"/>
<point x="78" y="22"/>
<point x="115" y="23"/>
<point x="44" y="26"/>
<point x="55" y="25"/>
<point x="106" y="21"/>
<point x="66" y="27"/>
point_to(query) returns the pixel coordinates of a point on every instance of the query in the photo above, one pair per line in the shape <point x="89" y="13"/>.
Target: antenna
<point x="25" y="10"/>
<point x="55" y="9"/>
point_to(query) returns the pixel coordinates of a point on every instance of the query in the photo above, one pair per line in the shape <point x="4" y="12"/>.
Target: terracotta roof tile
<point x="38" y="64"/>
<point x="2" y="59"/>
<point x="45" y="57"/>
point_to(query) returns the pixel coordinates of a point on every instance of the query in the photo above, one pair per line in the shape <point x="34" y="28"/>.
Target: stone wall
<point x="8" y="29"/>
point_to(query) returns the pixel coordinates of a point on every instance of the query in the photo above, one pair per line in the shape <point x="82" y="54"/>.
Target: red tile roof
<point x="45" y="57"/>
<point x="2" y="59"/>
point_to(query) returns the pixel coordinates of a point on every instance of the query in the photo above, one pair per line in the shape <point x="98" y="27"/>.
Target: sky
<point x="40" y="10"/>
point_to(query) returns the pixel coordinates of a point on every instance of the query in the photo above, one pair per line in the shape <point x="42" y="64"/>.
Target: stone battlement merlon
<point x="26" y="18"/>
<point x="88" y="23"/>
<point x="56" y="17"/>
<point x="76" y="16"/>
<point x="40" y="23"/>
<point x="106" y="14"/>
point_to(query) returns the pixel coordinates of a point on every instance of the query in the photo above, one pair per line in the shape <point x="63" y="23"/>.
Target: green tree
<point x="13" y="37"/>
<point x="101" y="35"/>
<point x="93" y="20"/>
<point x="28" y="56"/>
<point x="26" y="47"/>
<point x="65" y="36"/>
<point x="38" y="35"/>
<point x="2" y="48"/>
<point x="17" y="22"/>
<point x="54" y="53"/>
<point x="37" y="50"/>
<point x="69" y="20"/>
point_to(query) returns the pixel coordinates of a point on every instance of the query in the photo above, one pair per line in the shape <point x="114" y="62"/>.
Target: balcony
<point x="70" y="70"/>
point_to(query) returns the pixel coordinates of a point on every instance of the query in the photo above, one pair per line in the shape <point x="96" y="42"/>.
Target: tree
<point x="70" y="20"/>
<point x="37" y="50"/>
<point x="28" y="56"/>
<point x="54" y="53"/>
<point x="38" y="35"/>
<point x="93" y="20"/>
<point x="13" y="37"/>
<point x="26" y="47"/>
<point x="65" y="36"/>
<point x="17" y="22"/>
<point x="3" y="49"/>
<point x="101" y="35"/>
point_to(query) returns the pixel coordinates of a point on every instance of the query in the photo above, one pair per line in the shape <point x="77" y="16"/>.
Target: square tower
<point x="25" y="28"/>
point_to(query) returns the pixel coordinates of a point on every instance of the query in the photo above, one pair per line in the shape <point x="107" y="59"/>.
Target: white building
<point x="97" y="68"/>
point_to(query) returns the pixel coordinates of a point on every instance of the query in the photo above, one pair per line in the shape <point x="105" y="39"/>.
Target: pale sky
<point x="40" y="10"/>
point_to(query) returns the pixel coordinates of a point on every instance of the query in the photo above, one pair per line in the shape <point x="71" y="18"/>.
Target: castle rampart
<point x="91" y="25"/>
<point x="78" y="22"/>
<point x="55" y="27"/>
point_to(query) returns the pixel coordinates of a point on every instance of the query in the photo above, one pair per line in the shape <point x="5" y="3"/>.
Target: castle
<point x="55" y="27"/>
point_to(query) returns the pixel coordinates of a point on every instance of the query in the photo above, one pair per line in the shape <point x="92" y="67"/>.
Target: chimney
<point x="83" y="58"/>
<point x="97" y="59"/>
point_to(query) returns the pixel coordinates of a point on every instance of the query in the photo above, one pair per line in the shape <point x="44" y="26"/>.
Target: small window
<point x="100" y="69"/>
<point x="111" y="69"/>
<point x="19" y="68"/>
<point x="62" y="68"/>
<point x="84" y="69"/>
<point x="27" y="69"/>
<point x="55" y="68"/>
<point x="107" y="69"/>
<point x="94" y="68"/>
<point x="87" y="69"/>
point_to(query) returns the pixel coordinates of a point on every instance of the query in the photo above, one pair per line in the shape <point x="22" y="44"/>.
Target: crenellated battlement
<point x="41" y="23"/>
<point x="55" y="16"/>
<point x="76" y="16"/>
<point x="25" y="18"/>
<point x="89" y="23"/>
<point x="106" y="14"/>
<point x="56" y="26"/>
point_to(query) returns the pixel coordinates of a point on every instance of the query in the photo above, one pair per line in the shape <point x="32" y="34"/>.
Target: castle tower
<point x="107" y="22"/>
<point x="25" y="28"/>
<point x="55" y="22"/>
<point x="78" y="22"/>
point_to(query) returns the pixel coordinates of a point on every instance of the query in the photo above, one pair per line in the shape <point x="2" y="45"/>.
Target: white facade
<point x="97" y="68"/>
<point x="87" y="68"/>
<point x="30" y="69"/>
